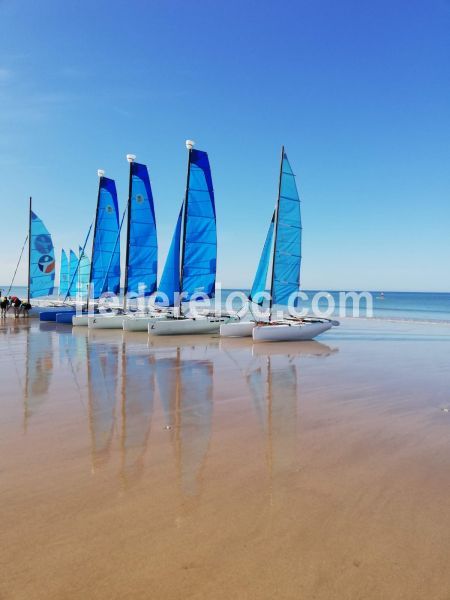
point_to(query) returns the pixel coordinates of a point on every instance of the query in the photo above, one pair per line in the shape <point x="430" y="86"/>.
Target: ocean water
<point x="401" y="306"/>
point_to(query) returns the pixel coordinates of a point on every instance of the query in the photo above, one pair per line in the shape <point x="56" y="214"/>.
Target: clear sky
<point x="358" y="91"/>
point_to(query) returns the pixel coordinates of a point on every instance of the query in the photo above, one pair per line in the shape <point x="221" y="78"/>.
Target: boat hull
<point x="237" y="329"/>
<point x="289" y="332"/>
<point x="80" y="320"/>
<point x="140" y="323"/>
<point x="106" y="322"/>
<point x="65" y="317"/>
<point x="50" y="315"/>
<point x="201" y="325"/>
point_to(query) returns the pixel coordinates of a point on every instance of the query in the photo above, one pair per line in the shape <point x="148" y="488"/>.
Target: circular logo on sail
<point x="109" y="209"/>
<point x="43" y="243"/>
<point x="46" y="264"/>
<point x="139" y="198"/>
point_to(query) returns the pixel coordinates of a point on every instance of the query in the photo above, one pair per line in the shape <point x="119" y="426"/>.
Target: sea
<point x="389" y="305"/>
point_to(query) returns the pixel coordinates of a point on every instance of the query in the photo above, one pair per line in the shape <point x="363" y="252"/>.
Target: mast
<point x="276" y="234"/>
<point x="130" y="158"/>
<point x="189" y="145"/>
<point x="100" y="174"/>
<point x="29" y="252"/>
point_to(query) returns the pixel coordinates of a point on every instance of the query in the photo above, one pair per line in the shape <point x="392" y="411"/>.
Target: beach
<point x="208" y="468"/>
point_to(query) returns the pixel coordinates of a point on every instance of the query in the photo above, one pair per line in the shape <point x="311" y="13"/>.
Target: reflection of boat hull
<point x="289" y="332"/>
<point x="239" y="329"/>
<point x="140" y="323"/>
<point x="105" y="322"/>
<point x="306" y="348"/>
<point x="187" y="326"/>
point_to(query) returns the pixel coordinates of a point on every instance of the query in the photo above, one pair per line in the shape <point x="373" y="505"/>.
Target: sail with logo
<point x="41" y="266"/>
<point x="104" y="271"/>
<point x="141" y="261"/>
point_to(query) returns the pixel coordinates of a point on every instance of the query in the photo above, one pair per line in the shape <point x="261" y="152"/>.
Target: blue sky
<point x="358" y="92"/>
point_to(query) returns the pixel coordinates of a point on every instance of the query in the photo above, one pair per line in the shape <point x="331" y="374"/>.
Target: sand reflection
<point x="186" y="391"/>
<point x="138" y="394"/>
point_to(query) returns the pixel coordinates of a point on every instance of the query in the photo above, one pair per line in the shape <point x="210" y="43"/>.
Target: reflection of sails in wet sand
<point x="186" y="391"/>
<point x="39" y="367"/>
<point x="102" y="388"/>
<point x="274" y="390"/>
<point x="274" y="393"/>
<point x="138" y="390"/>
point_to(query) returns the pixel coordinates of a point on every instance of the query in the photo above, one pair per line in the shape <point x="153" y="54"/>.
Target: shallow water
<point x="205" y="468"/>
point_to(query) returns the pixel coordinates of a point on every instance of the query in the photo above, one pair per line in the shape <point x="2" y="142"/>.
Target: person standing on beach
<point x="16" y="303"/>
<point x="4" y="304"/>
<point x="25" y="308"/>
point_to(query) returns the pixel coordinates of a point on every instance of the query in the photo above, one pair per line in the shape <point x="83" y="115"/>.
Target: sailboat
<point x="285" y="232"/>
<point x="141" y="263"/>
<point x="41" y="261"/>
<point x="104" y="273"/>
<point x="190" y="269"/>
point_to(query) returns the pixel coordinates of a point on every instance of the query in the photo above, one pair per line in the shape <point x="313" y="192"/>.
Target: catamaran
<point x="190" y="270"/>
<point x="141" y="263"/>
<point x="285" y="231"/>
<point x="104" y="275"/>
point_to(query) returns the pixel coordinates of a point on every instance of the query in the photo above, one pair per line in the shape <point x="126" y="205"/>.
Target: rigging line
<point x="17" y="266"/>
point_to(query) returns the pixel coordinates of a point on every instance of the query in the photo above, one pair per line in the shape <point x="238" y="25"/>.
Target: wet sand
<point x="200" y="468"/>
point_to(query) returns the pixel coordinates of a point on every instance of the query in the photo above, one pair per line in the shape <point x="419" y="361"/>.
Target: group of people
<point x="19" y="306"/>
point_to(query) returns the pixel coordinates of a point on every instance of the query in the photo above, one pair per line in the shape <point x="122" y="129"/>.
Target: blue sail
<point x="259" y="283"/>
<point x="84" y="270"/>
<point x="105" y="275"/>
<point x="169" y="284"/>
<point x="200" y="241"/>
<point x="42" y="259"/>
<point x="73" y="269"/>
<point x="63" y="274"/>
<point x="287" y="259"/>
<point x="142" y="265"/>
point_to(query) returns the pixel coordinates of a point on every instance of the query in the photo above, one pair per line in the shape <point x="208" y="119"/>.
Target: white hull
<point x="106" y="322"/>
<point x="237" y="329"/>
<point x="80" y="320"/>
<point x="289" y="332"/>
<point x="187" y="326"/>
<point x="132" y="323"/>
